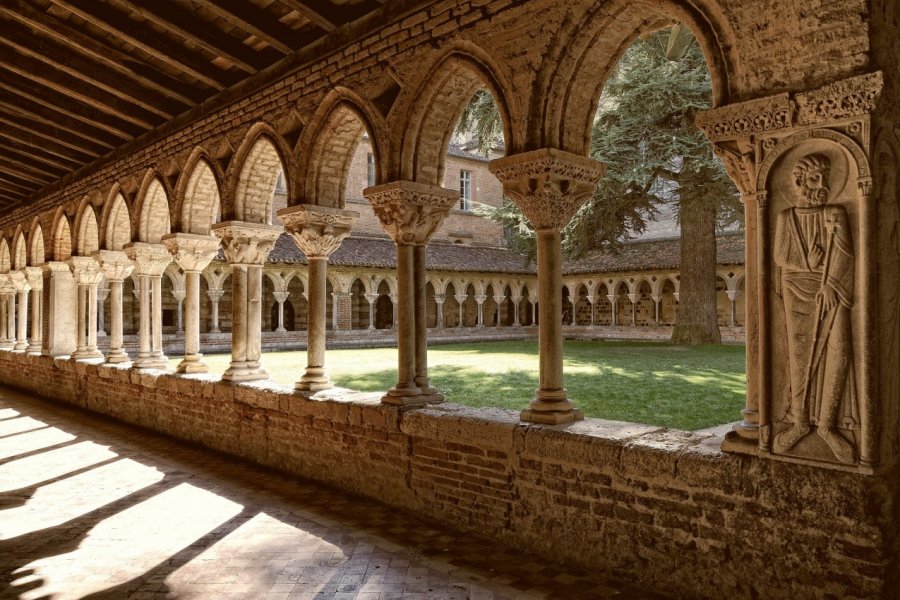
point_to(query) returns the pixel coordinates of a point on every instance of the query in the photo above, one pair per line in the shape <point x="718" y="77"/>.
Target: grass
<point x="644" y="382"/>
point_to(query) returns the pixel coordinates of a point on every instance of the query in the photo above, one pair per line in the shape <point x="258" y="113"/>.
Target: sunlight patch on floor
<point x="19" y="425"/>
<point x="46" y="466"/>
<point x="23" y="443"/>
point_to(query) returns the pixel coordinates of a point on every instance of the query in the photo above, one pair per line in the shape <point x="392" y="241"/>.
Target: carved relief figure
<point x="814" y="251"/>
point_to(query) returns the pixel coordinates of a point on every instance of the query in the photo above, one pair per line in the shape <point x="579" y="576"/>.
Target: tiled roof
<point x="378" y="252"/>
<point x="655" y="254"/>
<point x="381" y="252"/>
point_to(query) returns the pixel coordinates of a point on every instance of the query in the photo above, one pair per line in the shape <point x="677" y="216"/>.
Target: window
<point x="370" y="173"/>
<point x="465" y="190"/>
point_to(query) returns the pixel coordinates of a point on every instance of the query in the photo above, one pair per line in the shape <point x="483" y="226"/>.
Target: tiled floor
<point x="90" y="508"/>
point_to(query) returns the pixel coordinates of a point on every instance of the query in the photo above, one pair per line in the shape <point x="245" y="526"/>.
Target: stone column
<point x="461" y="300"/>
<point x="59" y="322"/>
<point x="246" y="247"/>
<point x="150" y="262"/>
<point x="372" y="299"/>
<point x="439" y="311"/>
<point x="633" y="298"/>
<point x="8" y="314"/>
<point x="410" y="213"/>
<point x="179" y="296"/>
<point x="280" y="298"/>
<point x="548" y="186"/>
<point x="732" y="297"/>
<point x="20" y="281"/>
<point x="591" y="298"/>
<point x="516" y="300"/>
<point x="498" y="300"/>
<point x="87" y="276"/>
<point x="318" y="231"/>
<point x="102" y="295"/>
<point x="36" y="282"/>
<point x="395" y="310"/>
<point x="192" y="253"/>
<point x="479" y="299"/>
<point x="614" y="309"/>
<point x="115" y="266"/>
<point x="656" y="301"/>
<point x="214" y="297"/>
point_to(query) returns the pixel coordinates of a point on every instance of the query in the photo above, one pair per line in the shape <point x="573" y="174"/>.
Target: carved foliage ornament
<point x="115" y="265"/>
<point x="747" y="118"/>
<point x="740" y="166"/>
<point x="410" y="212"/>
<point x="19" y="281"/>
<point x="35" y="278"/>
<point x="317" y="230"/>
<point x="246" y="243"/>
<point x="85" y="270"/>
<point x="148" y="259"/>
<point x="548" y="185"/>
<point x="192" y="252"/>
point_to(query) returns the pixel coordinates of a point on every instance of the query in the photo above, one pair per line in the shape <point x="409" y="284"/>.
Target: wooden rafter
<point x="240" y="14"/>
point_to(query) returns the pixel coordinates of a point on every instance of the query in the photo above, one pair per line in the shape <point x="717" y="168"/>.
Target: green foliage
<point x="645" y="134"/>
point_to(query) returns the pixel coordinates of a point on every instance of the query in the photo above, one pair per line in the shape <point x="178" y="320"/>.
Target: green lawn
<point x="655" y="383"/>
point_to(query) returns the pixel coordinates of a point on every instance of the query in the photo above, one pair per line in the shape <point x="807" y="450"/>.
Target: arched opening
<point x="257" y="180"/>
<point x="384" y="307"/>
<point x="489" y="307"/>
<point x="526" y="308"/>
<point x="5" y="257"/>
<point x="299" y="305"/>
<point x="200" y="207"/>
<point x="359" y="306"/>
<point x="723" y="302"/>
<point x="603" y="307"/>
<point x="668" y="304"/>
<point x="430" y="306"/>
<point x="20" y="252"/>
<point x="507" y="310"/>
<point x="645" y="311"/>
<point x="269" y="320"/>
<point x="154" y="221"/>
<point x="470" y="308"/>
<point x="62" y="240"/>
<point x="451" y="307"/>
<point x="740" y="306"/>
<point x="130" y="306"/>
<point x="583" y="306"/>
<point x="88" y="239"/>
<point x="568" y="307"/>
<point x="36" y="250"/>
<point x="118" y="224"/>
<point x="623" y="305"/>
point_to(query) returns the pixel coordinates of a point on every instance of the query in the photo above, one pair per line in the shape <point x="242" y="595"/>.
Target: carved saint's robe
<point x="820" y="353"/>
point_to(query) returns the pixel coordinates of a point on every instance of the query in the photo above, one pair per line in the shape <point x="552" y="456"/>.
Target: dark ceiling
<point x="79" y="78"/>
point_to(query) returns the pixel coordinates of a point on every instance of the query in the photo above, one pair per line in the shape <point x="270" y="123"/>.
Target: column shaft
<point x="421" y="330"/>
<point x="192" y="358"/>
<point x="314" y="378"/>
<point x="91" y="292"/>
<point x="254" y="316"/>
<point x="116" y="354"/>
<point x="406" y="328"/>
<point x="37" y="326"/>
<point x="156" y="318"/>
<point x="144" y="344"/>
<point x="22" y="324"/>
<point x="238" y="321"/>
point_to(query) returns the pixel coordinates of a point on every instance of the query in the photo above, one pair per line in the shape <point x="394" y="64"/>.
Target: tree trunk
<point x="696" y="322"/>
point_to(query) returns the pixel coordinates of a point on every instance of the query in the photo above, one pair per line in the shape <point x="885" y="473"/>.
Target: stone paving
<point x="92" y="508"/>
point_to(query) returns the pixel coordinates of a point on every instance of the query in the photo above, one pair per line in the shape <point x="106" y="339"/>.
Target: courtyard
<point x="643" y="382"/>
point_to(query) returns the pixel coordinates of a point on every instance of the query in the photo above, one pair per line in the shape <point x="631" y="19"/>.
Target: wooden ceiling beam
<point x="47" y="144"/>
<point x="29" y="167"/>
<point x="186" y="24"/>
<point x="157" y="46"/>
<point x="60" y="83"/>
<point x="51" y="134"/>
<point x="329" y="16"/>
<point x="37" y="154"/>
<point x="60" y="59"/>
<point x="240" y="14"/>
<point x="11" y="170"/>
<point x="9" y="200"/>
<point x="96" y="116"/>
<point x="15" y="105"/>
<point x="109" y="56"/>
<point x="12" y="187"/>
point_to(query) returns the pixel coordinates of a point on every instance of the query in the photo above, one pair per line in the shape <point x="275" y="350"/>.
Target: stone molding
<point x="115" y="264"/>
<point x="85" y="270"/>
<point x="246" y="244"/>
<point x="317" y="230"/>
<point x="35" y="278"/>
<point x="148" y="259"/>
<point x="191" y="252"/>
<point x="844" y="99"/>
<point x="548" y="185"/>
<point x="280" y="297"/>
<point x="19" y="281"/>
<point x="410" y="212"/>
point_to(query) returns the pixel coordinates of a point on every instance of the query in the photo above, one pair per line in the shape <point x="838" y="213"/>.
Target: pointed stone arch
<point x="253" y="175"/>
<point x="5" y="257"/>
<point x="87" y="230"/>
<point x="116" y="221"/>
<point x="36" y="251"/>
<point x="19" y="249"/>
<point x="153" y="209"/>
<point x="197" y="194"/>
<point x="61" y="242"/>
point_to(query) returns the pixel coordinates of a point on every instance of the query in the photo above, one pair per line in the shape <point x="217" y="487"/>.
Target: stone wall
<point x="663" y="508"/>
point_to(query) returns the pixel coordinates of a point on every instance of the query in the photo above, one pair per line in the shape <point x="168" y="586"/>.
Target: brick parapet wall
<point x="661" y="507"/>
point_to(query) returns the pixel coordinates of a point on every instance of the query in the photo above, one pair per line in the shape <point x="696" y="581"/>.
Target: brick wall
<point x="664" y="508"/>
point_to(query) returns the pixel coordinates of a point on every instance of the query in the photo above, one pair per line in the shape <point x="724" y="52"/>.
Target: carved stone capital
<point x="114" y="264"/>
<point x="317" y="230"/>
<point x="35" y="278"/>
<point x="739" y="159"/>
<point x="280" y="297"/>
<point x="85" y="270"/>
<point x="746" y="118"/>
<point x="548" y="185"/>
<point x="844" y="99"/>
<point x="410" y="212"/>
<point x="6" y="284"/>
<point x="19" y="281"/>
<point x="191" y="252"/>
<point x="148" y="259"/>
<point x="373" y="297"/>
<point x="215" y="295"/>
<point x="246" y="243"/>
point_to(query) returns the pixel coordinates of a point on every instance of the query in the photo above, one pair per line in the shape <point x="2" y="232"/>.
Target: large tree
<point x="654" y="154"/>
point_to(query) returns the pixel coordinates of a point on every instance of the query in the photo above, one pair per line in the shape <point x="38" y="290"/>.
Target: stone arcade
<point x="799" y="500"/>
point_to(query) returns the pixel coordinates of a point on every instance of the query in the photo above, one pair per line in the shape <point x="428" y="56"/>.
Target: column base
<point x="742" y="439"/>
<point x="409" y="395"/>
<point x="551" y="407"/>
<point x="314" y="379"/>
<point x="551" y="418"/>
<point x="101" y="333"/>
<point x="281" y="330"/>
<point x="87" y="354"/>
<point x="7" y="345"/>
<point x="151" y="362"/>
<point x="117" y="357"/>
<point x="244" y="371"/>
<point x="192" y="364"/>
<point x="20" y="347"/>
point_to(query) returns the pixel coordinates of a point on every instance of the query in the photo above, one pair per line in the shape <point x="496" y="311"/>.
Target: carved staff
<point x="813" y="358"/>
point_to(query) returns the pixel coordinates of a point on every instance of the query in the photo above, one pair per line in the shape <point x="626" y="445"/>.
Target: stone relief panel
<point x="814" y="215"/>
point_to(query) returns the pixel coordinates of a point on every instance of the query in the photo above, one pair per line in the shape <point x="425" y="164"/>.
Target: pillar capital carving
<point x="114" y="264"/>
<point x="548" y="185"/>
<point x="35" y="278"/>
<point x="215" y="295"/>
<point x="148" y="259"/>
<point x="460" y="298"/>
<point x="372" y="297"/>
<point x="317" y="230"/>
<point x="85" y="270"/>
<point x="280" y="296"/>
<point x="246" y="243"/>
<point x="19" y="281"/>
<point x="410" y="212"/>
<point x="191" y="252"/>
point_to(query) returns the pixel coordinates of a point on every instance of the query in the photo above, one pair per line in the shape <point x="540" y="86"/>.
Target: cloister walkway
<point x="92" y="508"/>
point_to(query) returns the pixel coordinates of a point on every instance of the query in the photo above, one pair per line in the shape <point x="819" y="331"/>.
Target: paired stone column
<point x="461" y="301"/>
<point x="614" y="308"/>
<point x="280" y="298"/>
<point x="516" y="300"/>
<point x="246" y="247"/>
<point x="87" y="276"/>
<point x="102" y="296"/>
<point x="439" y="314"/>
<point x="633" y="298"/>
<point x="548" y="186"/>
<point x="410" y="213"/>
<point x="179" y="296"/>
<point x="192" y="253"/>
<point x="318" y="231"/>
<point x="150" y="262"/>
<point x="479" y="300"/>
<point x="372" y="299"/>
<point x="7" y="312"/>
<point x="498" y="300"/>
<point x="732" y="298"/>
<point x="115" y="266"/>
<point x="60" y="310"/>
<point x="20" y="282"/>
<point x="214" y="297"/>
<point x="35" y="278"/>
